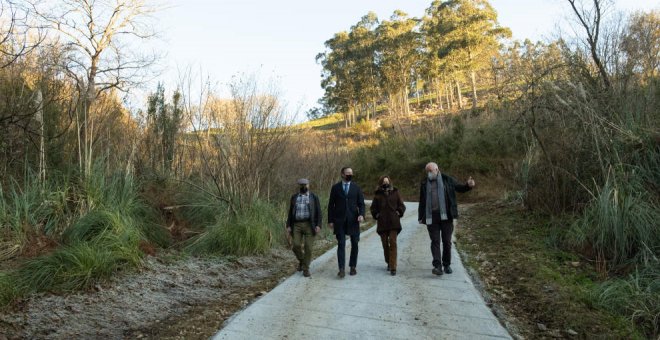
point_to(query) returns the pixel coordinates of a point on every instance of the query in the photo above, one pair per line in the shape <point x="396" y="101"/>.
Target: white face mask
<point x="432" y="175"/>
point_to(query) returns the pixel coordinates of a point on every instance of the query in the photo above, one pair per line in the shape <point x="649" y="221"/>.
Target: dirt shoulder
<point x="537" y="289"/>
<point x="170" y="297"/>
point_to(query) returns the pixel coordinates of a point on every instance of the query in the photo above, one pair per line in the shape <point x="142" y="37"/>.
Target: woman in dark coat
<point x="387" y="208"/>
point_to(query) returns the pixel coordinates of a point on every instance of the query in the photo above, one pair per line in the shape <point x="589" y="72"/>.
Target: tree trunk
<point x="390" y="99"/>
<point x="432" y="82"/>
<point x="436" y="85"/>
<point x="42" y="139"/>
<point x="450" y="94"/>
<point x="459" y="95"/>
<point x="406" y="103"/>
<point x="474" y="90"/>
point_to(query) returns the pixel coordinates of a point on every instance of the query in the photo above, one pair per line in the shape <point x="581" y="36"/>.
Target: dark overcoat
<point x="451" y="187"/>
<point x="344" y="209"/>
<point x="387" y="208"/>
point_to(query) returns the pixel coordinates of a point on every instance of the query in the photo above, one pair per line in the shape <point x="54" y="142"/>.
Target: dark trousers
<point x="388" y="239"/>
<point x="441" y="231"/>
<point x="341" y="250"/>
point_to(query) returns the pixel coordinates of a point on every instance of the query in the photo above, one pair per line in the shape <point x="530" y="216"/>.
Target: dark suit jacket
<point x="451" y="187"/>
<point x="343" y="210"/>
<point x="314" y="211"/>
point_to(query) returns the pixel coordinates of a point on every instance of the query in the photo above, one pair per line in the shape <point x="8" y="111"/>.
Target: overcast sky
<point x="280" y="39"/>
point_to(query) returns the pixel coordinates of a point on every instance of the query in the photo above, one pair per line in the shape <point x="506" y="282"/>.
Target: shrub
<point x="34" y="208"/>
<point x="79" y="265"/>
<point x="250" y="231"/>
<point x="637" y="297"/>
<point x="620" y="225"/>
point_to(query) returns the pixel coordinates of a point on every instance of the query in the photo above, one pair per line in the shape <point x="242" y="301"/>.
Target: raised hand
<point x="470" y="182"/>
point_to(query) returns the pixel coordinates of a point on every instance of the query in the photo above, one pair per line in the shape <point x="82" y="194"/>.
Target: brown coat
<point x="387" y="208"/>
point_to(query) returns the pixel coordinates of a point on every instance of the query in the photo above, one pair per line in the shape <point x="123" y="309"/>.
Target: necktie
<point x="346" y="188"/>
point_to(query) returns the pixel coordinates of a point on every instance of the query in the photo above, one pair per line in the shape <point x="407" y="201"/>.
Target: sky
<point x="279" y="40"/>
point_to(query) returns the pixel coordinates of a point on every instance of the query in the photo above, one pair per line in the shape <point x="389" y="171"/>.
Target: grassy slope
<point x="525" y="271"/>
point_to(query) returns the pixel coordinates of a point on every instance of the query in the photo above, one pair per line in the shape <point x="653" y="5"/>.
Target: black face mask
<point x="385" y="186"/>
<point x="303" y="189"/>
<point x="348" y="178"/>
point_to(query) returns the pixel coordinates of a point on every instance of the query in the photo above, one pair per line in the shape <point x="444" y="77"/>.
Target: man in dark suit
<point x="345" y="212"/>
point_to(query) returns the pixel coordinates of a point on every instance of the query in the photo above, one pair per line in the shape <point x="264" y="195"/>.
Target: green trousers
<point x="303" y="230"/>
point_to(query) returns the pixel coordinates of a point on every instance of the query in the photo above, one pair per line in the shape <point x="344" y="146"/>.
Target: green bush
<point x="620" y="225"/>
<point x="637" y="297"/>
<point x="33" y="207"/>
<point x="250" y="231"/>
<point x="113" y="203"/>
<point x="79" y="265"/>
<point x="110" y="221"/>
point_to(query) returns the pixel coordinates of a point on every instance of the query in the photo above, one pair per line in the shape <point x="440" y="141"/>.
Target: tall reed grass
<point x="253" y="230"/>
<point x="109" y="221"/>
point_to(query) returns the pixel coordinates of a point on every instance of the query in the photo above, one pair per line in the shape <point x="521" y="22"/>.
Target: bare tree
<point x="590" y="18"/>
<point x="17" y="38"/>
<point x="100" y="39"/>
<point x="240" y="140"/>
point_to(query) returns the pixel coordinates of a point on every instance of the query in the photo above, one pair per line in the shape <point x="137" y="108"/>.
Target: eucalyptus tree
<point x="465" y="32"/>
<point x="336" y="75"/>
<point x="398" y="55"/>
<point x="365" y="73"/>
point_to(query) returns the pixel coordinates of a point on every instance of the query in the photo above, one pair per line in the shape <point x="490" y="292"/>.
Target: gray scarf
<point x="441" y="200"/>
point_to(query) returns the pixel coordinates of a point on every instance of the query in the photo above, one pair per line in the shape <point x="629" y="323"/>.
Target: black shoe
<point x="388" y="268"/>
<point x="341" y="273"/>
<point x="353" y="271"/>
<point x="300" y="267"/>
<point x="448" y="270"/>
<point x="393" y="272"/>
<point x="437" y="271"/>
<point x="306" y="273"/>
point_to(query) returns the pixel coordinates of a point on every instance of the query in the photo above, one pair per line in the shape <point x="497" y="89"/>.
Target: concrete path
<point x="414" y="304"/>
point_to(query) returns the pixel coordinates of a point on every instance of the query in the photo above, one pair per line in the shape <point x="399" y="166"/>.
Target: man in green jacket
<point x="304" y="222"/>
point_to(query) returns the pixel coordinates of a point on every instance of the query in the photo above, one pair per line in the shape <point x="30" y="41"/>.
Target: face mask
<point x="386" y="186"/>
<point x="303" y="189"/>
<point x="348" y="178"/>
<point x="432" y="176"/>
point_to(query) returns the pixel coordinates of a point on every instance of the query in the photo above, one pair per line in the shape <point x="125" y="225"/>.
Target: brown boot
<point x="341" y="273"/>
<point x="306" y="273"/>
<point x="353" y="271"/>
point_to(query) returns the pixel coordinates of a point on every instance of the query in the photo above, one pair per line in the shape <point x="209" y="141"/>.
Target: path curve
<point x="414" y="304"/>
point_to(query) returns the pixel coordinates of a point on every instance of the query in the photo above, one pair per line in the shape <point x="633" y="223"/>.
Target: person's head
<point x="432" y="170"/>
<point x="303" y="185"/>
<point x="347" y="174"/>
<point x="384" y="181"/>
